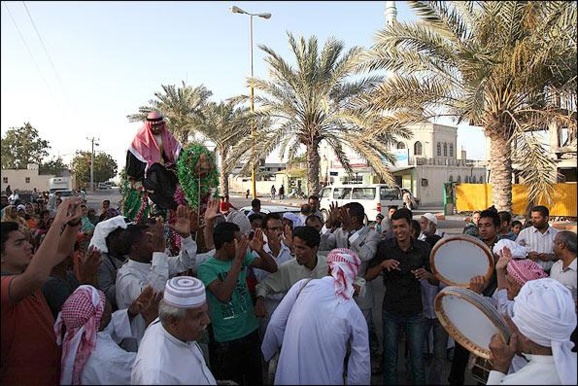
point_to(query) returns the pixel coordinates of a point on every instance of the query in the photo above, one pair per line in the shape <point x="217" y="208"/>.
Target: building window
<point x="451" y="149"/>
<point x="451" y="179"/>
<point x="417" y="148"/>
<point x="401" y="145"/>
<point x="445" y="149"/>
<point x="467" y="179"/>
<point x="481" y="179"/>
<point x="439" y="149"/>
<point x="459" y="178"/>
<point x="5" y="180"/>
<point x="27" y="180"/>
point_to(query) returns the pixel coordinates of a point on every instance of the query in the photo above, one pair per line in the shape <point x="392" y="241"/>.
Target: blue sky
<point x="100" y="61"/>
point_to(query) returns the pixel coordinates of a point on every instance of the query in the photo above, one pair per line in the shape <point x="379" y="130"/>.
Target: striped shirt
<point x="535" y="241"/>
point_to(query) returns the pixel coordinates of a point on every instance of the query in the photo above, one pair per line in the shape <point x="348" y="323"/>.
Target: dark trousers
<point x="459" y="364"/>
<point x="239" y="360"/>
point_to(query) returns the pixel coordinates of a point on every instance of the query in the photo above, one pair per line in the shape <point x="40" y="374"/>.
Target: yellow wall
<point x="470" y="197"/>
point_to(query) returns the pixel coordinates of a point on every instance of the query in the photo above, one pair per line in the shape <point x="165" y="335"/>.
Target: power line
<point x="45" y="49"/>
<point x="31" y="55"/>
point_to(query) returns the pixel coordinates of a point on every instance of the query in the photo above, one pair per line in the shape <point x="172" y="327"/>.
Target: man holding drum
<point x="544" y="318"/>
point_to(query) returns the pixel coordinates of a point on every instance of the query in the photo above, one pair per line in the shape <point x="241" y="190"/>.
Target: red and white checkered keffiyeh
<point x="344" y="264"/>
<point x="81" y="314"/>
<point x="524" y="270"/>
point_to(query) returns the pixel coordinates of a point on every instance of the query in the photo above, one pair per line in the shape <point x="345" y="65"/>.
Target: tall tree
<point x="224" y="125"/>
<point x="179" y="105"/>
<point x="105" y="167"/>
<point x="505" y="66"/>
<point x="54" y="166"/>
<point x="313" y="101"/>
<point x="21" y="146"/>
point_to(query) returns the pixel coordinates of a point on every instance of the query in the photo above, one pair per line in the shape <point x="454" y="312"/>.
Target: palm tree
<point x="312" y="102"/>
<point x="507" y="66"/>
<point x="224" y="125"/>
<point x="180" y="106"/>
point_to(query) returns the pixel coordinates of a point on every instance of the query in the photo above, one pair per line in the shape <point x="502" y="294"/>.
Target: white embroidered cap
<point x="184" y="292"/>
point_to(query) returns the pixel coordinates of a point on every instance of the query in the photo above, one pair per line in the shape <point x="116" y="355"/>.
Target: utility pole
<point x="93" y="143"/>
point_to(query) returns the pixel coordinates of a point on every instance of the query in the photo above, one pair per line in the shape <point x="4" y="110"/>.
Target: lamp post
<point x="265" y="15"/>
<point x="93" y="144"/>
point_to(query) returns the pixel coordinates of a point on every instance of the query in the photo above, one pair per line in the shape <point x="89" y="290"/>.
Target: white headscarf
<point x="545" y="313"/>
<point x="102" y="230"/>
<point x="518" y="251"/>
<point x="344" y="265"/>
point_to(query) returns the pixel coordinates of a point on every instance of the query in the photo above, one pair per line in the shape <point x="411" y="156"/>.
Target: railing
<point x="441" y="161"/>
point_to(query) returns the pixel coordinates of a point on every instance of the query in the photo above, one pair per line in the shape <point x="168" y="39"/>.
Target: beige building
<point x="424" y="163"/>
<point x="25" y="180"/>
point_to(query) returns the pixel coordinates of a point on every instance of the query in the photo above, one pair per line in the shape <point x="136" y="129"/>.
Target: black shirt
<point x="402" y="289"/>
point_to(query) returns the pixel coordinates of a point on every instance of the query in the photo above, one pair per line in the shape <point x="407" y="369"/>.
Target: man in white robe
<point x="169" y="353"/>
<point x="317" y="324"/>
<point x="544" y="318"/>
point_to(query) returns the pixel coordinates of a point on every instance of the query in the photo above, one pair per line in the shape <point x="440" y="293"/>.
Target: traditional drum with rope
<point x="455" y="260"/>
<point x="470" y="319"/>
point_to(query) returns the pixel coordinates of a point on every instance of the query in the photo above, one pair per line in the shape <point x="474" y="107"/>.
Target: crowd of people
<point x="93" y="298"/>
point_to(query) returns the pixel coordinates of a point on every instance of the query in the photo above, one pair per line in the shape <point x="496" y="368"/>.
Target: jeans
<point x="414" y="332"/>
<point x="459" y="365"/>
<point x="440" y="344"/>
<point x="239" y="360"/>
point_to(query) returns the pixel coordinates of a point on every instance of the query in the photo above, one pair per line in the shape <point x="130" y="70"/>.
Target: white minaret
<point x="390" y="12"/>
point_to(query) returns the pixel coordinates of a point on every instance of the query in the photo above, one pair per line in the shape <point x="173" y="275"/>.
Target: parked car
<point x="414" y="200"/>
<point x="375" y="198"/>
<point x="280" y="209"/>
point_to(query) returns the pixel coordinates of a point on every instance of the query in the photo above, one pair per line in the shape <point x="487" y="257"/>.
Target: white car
<point x="266" y="209"/>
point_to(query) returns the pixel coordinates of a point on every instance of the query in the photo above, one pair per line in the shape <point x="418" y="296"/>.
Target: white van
<point x="375" y="198"/>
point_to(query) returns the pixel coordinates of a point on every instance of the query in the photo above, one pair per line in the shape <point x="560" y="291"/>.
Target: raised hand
<point x="345" y="219"/>
<point x="505" y="257"/>
<point x="212" y="211"/>
<point x="89" y="264"/>
<point x="257" y="243"/>
<point x="156" y="233"/>
<point x="68" y="210"/>
<point x="333" y="215"/>
<point x="288" y="239"/>
<point x="183" y="221"/>
<point x="241" y="249"/>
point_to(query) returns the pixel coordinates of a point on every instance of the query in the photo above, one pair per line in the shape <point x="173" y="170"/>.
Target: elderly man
<point x="544" y="317"/>
<point x="91" y="336"/>
<point x="428" y="224"/>
<point x="169" y="353"/>
<point x="302" y="318"/>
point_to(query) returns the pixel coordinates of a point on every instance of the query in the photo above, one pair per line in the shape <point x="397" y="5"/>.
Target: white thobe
<point x="163" y="359"/>
<point x="134" y="276"/>
<point x="568" y="276"/>
<point x="108" y="363"/>
<point x="318" y="330"/>
<point x="540" y="370"/>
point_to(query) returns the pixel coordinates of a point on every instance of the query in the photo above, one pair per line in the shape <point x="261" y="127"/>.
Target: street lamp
<point x="265" y="15"/>
<point x="93" y="143"/>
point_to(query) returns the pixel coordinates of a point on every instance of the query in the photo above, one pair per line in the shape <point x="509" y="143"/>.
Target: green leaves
<point x="21" y="146"/>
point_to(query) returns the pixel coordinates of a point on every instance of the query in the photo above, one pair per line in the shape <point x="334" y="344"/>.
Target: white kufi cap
<point x="184" y="292"/>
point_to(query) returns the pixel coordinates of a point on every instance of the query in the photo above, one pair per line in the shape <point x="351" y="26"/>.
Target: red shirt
<point x="30" y="355"/>
<point x="224" y="206"/>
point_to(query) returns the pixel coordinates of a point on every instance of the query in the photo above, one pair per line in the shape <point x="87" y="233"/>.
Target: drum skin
<point x="470" y="319"/>
<point x="456" y="259"/>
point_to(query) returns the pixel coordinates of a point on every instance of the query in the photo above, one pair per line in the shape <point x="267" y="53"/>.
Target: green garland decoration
<point x="134" y="202"/>
<point x="189" y="182"/>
